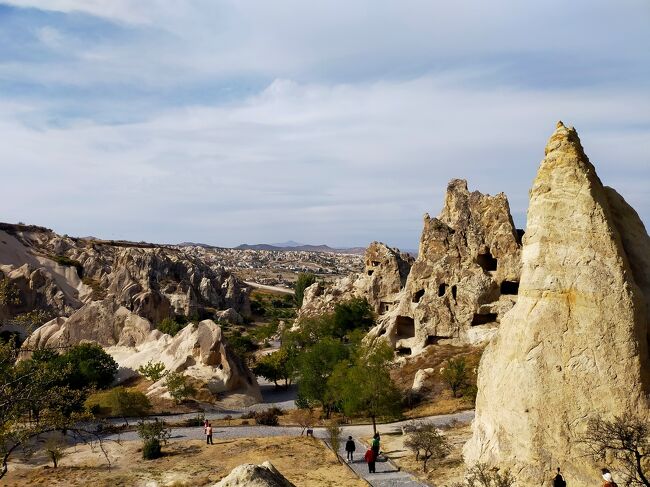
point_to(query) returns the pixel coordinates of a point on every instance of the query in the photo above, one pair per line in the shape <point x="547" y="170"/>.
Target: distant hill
<point x="302" y="248"/>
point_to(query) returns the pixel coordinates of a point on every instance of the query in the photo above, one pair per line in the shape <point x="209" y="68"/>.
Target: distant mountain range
<point x="295" y="246"/>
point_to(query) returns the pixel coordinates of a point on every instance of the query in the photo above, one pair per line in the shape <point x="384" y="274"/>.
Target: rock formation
<point x="198" y="350"/>
<point x="466" y="275"/>
<point x="249" y="475"/>
<point x="576" y="343"/>
<point x="384" y="276"/>
<point x="60" y="274"/>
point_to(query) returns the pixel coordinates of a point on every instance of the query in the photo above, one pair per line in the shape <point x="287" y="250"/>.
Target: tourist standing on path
<point x="370" y="460"/>
<point x="208" y="434"/>
<point x="350" y="447"/>
<point x="558" y="480"/>
<point x="607" y="477"/>
<point x="375" y="445"/>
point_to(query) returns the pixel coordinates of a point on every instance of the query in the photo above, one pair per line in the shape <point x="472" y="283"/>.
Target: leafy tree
<point x="9" y="294"/>
<point x="303" y="282"/>
<point x="427" y="442"/>
<point x="154" y="371"/>
<point x="170" y="326"/>
<point x="365" y="386"/>
<point x="243" y="346"/>
<point x="315" y="366"/>
<point x="33" y="319"/>
<point x="88" y="365"/>
<point x="178" y="387"/>
<point x="275" y="366"/>
<point x="36" y="385"/>
<point x="154" y="434"/>
<point x="127" y="403"/>
<point x="626" y="439"/>
<point x="456" y="375"/>
<point x="351" y="315"/>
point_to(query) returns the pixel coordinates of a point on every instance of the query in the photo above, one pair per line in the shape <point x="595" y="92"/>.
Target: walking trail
<point x="386" y="474"/>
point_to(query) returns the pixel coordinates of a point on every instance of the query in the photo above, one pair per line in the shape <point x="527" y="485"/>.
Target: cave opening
<point x="442" y="289"/>
<point x="405" y="326"/>
<point x="483" y="318"/>
<point x="370" y="272"/>
<point x="403" y="351"/>
<point x="487" y="262"/>
<point x="418" y="295"/>
<point x="510" y="287"/>
<point x="454" y="292"/>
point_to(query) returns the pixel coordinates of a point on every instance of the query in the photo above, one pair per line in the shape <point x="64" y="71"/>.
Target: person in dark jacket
<point x="370" y="460"/>
<point x="350" y="447"/>
<point x="558" y="480"/>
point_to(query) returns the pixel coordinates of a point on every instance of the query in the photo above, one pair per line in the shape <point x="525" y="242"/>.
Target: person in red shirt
<point x="370" y="460"/>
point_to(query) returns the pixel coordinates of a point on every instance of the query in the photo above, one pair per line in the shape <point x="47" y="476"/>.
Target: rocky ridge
<point x="576" y="343"/>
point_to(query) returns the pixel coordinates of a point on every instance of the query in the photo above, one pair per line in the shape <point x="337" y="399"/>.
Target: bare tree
<point x="626" y="440"/>
<point x="427" y="442"/>
<point x="334" y="437"/>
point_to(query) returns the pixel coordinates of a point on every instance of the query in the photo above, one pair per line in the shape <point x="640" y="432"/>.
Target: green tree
<point x="243" y="346"/>
<point x="352" y="314"/>
<point x="9" y="294"/>
<point x="170" y="326"/>
<point x="154" y="434"/>
<point x="126" y="403"/>
<point x="303" y="282"/>
<point x="275" y="366"/>
<point x="315" y="366"/>
<point x="178" y="387"/>
<point x="365" y="386"/>
<point x="154" y="371"/>
<point x="88" y="365"/>
<point x="427" y="442"/>
<point x="456" y="375"/>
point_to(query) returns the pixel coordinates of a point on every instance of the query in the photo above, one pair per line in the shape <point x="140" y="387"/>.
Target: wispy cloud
<point x="324" y="122"/>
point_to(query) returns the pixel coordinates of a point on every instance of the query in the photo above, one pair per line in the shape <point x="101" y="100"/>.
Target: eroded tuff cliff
<point x="198" y="351"/>
<point x="60" y="274"/>
<point x="466" y="275"/>
<point x="576" y="342"/>
<point x="384" y="276"/>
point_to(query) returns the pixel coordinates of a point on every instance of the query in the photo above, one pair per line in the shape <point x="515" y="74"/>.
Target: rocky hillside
<point x="466" y="276"/>
<point x="576" y="343"/>
<point x="59" y="274"/>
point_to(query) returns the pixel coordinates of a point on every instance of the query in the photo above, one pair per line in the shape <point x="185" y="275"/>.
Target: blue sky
<point x="323" y="122"/>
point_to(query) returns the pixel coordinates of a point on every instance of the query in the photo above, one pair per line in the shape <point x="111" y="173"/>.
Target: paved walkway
<point x="386" y="474"/>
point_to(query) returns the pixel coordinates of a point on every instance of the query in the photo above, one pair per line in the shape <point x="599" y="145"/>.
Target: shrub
<point x="55" y="451"/>
<point x="170" y="326"/>
<point x="154" y="434"/>
<point x="302" y="283"/>
<point x="154" y="371"/>
<point x="68" y="262"/>
<point x="9" y="294"/>
<point x="151" y="449"/>
<point x="178" y="387"/>
<point x="268" y="417"/>
<point x="334" y="437"/>
<point x="197" y="420"/>
<point x="456" y="375"/>
<point x="88" y="365"/>
<point x="426" y="442"/>
<point x="125" y="403"/>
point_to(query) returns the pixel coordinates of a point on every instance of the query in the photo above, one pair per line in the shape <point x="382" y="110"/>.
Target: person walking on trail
<point x="208" y="434"/>
<point x="374" y="446"/>
<point x="370" y="460"/>
<point x="558" y="480"/>
<point x="607" y="477"/>
<point x="350" y="447"/>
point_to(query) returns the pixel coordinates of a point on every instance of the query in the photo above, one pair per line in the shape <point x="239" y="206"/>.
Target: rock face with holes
<point x="60" y="274"/>
<point x="576" y="343"/>
<point x="384" y="276"/>
<point x="198" y="351"/>
<point x="249" y="475"/>
<point x="466" y="275"/>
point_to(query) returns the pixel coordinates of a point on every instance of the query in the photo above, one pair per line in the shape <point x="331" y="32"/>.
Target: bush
<point x="154" y="434"/>
<point x="178" y="387"/>
<point x="68" y="262"/>
<point x="197" y="420"/>
<point x="268" y="417"/>
<point x="302" y="283"/>
<point x="170" y="326"/>
<point x="426" y="442"/>
<point x="151" y="450"/>
<point x="154" y="371"/>
<point x="87" y="365"/>
<point x="125" y="403"/>
<point x="9" y="294"/>
<point x="456" y="375"/>
<point x="352" y="314"/>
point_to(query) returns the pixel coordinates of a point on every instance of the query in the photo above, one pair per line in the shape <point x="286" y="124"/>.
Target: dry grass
<point x="440" y="472"/>
<point x="304" y="461"/>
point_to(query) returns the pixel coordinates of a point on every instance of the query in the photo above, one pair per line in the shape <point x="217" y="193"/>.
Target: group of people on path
<point x="371" y="455"/>
<point x="558" y="480"/>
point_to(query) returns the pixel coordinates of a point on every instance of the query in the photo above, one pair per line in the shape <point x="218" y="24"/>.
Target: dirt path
<point x="276" y="289"/>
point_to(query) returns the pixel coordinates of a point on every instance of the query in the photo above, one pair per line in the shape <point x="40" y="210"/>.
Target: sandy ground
<point x="304" y="461"/>
<point x="439" y="472"/>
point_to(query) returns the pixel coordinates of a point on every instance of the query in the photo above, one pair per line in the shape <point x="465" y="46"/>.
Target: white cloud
<point x="343" y="164"/>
